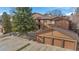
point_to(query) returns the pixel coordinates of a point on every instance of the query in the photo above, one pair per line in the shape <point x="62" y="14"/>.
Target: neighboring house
<point x="58" y="37"/>
<point x="75" y="20"/>
<point x="62" y="21"/>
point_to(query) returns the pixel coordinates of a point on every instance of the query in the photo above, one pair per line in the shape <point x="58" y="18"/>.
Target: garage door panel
<point x="48" y="41"/>
<point x="69" y="44"/>
<point x="58" y="42"/>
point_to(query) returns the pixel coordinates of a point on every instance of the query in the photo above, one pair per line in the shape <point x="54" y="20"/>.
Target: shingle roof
<point x="41" y="16"/>
<point x="49" y="17"/>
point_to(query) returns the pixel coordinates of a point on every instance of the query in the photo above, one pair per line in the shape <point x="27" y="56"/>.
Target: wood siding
<point x="63" y="24"/>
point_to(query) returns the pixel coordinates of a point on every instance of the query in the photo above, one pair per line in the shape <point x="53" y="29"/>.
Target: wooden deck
<point x="13" y="43"/>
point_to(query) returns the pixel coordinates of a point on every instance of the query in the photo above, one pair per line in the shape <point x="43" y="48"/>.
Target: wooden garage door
<point x="69" y="44"/>
<point x="48" y="41"/>
<point x="58" y="42"/>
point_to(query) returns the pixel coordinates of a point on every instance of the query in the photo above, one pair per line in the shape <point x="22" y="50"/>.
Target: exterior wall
<point x="62" y="24"/>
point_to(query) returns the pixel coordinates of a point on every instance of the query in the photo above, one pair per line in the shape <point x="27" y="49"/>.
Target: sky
<point x="65" y="10"/>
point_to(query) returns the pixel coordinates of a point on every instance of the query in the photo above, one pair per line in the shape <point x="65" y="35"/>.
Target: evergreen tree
<point x="6" y="22"/>
<point x="23" y="21"/>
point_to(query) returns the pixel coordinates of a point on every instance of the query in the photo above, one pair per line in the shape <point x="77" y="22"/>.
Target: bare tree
<point x="55" y="12"/>
<point x="77" y="10"/>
